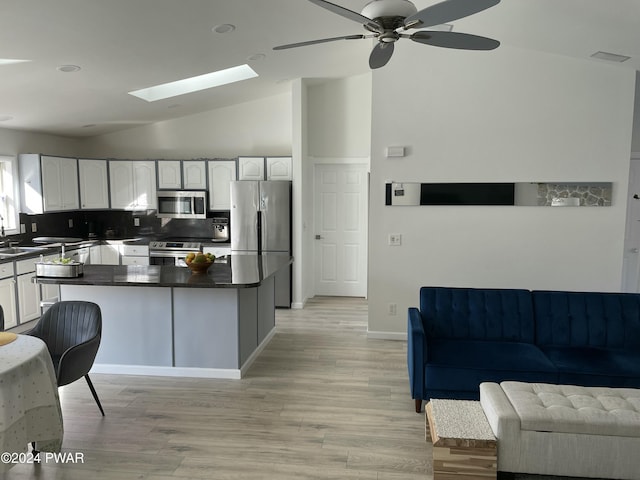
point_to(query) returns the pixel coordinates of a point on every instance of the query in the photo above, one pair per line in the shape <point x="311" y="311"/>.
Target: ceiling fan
<point x="388" y="19"/>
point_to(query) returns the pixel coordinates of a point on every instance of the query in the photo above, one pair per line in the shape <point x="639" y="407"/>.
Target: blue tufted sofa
<point x="461" y="337"/>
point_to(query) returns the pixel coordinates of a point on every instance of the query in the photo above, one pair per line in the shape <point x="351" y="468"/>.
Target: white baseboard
<point x="192" y="372"/>
<point x="155" y="371"/>
<point x="399" y="336"/>
<point x="256" y="352"/>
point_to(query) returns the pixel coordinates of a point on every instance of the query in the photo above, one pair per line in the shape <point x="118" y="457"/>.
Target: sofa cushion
<point x="478" y="314"/>
<point x="579" y="319"/>
<point x="464" y="364"/>
<point x="575" y="409"/>
<point x="595" y="366"/>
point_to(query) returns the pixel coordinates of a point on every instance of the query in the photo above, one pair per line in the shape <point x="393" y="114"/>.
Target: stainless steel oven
<point x="171" y="252"/>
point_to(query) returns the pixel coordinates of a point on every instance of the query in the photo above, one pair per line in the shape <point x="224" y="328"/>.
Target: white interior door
<point x="340" y="221"/>
<point x="631" y="258"/>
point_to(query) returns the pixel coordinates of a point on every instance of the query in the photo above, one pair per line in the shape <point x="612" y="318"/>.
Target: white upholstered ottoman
<point x="565" y="430"/>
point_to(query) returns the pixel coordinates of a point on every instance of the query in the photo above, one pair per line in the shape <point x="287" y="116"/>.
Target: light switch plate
<point x="395" y="239"/>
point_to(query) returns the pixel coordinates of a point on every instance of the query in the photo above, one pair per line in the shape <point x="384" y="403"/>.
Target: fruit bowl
<point x="199" y="262"/>
<point x="199" y="267"/>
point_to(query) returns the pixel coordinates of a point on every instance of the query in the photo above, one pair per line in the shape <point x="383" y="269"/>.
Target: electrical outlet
<point x="136" y="222"/>
<point x="393" y="309"/>
<point x="34" y="227"/>
<point x="71" y="223"/>
<point x="395" y="239"/>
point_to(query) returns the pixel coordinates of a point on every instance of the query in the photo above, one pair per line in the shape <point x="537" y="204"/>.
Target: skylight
<point x="11" y="61"/>
<point x="195" y="84"/>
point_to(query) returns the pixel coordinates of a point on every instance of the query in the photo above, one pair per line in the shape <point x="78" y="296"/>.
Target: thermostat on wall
<point x="395" y="151"/>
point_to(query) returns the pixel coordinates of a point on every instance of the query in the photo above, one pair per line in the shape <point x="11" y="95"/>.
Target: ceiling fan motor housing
<point x="389" y="8"/>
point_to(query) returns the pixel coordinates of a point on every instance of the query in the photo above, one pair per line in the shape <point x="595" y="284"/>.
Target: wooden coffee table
<point x="463" y="443"/>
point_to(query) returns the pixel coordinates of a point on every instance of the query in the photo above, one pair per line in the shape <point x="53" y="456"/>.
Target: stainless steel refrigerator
<point x="261" y="224"/>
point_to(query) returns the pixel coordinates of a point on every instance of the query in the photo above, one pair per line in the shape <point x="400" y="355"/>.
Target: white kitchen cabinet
<point x="221" y="173"/>
<point x="59" y="183"/>
<point x="251" y="168"/>
<point x="169" y="174"/>
<point x="95" y="255"/>
<point x="279" y="168"/>
<point x="94" y="184"/>
<point x="49" y="293"/>
<point x="194" y="175"/>
<point x="133" y="184"/>
<point x="8" y="295"/>
<point x="135" y="255"/>
<point x="135" y="260"/>
<point x="110" y="254"/>
<point x="82" y="255"/>
<point x="48" y="183"/>
<point x="28" y="290"/>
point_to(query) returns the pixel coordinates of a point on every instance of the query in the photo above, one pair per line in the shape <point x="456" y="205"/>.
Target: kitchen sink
<point x="15" y="251"/>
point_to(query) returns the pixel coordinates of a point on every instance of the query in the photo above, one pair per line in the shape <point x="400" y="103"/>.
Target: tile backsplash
<point x="114" y="224"/>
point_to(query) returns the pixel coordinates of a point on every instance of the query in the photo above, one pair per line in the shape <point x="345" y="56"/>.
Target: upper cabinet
<point x="250" y="168"/>
<point x="279" y="168"/>
<point x="48" y="184"/>
<point x="194" y="174"/>
<point x="261" y="168"/>
<point x="94" y="184"/>
<point x="133" y="184"/>
<point x="221" y="173"/>
<point x="169" y="174"/>
<point x="178" y="175"/>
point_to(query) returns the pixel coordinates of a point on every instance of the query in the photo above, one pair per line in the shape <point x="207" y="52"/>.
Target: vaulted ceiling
<point x="124" y="45"/>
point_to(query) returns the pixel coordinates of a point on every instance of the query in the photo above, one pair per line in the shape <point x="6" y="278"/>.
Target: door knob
<point x="634" y="250"/>
<point x="318" y="237"/>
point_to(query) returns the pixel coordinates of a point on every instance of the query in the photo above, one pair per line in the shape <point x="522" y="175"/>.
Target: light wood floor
<point x="321" y="402"/>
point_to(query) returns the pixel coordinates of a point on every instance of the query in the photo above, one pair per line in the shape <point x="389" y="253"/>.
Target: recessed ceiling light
<point x="11" y="61"/>
<point x="610" y="57"/>
<point x="224" y="28"/>
<point x="68" y="68"/>
<point x="195" y="84"/>
<point x="256" y="57"/>
<point x="5" y="118"/>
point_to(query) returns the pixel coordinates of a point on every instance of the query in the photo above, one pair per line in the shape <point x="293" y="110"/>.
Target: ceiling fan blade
<point x="323" y="40"/>
<point x="463" y="41"/>
<point x="380" y="55"/>
<point x="350" y="14"/>
<point x="447" y="11"/>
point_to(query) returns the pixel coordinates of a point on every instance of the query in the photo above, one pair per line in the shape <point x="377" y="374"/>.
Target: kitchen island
<point x="164" y="320"/>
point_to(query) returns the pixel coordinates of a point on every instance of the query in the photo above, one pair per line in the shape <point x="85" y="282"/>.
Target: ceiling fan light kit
<point x="387" y="20"/>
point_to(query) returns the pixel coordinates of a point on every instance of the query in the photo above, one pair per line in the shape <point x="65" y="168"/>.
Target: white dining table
<point x="29" y="402"/>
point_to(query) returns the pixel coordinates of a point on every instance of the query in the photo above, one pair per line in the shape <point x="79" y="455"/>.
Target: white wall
<point x="339" y="117"/>
<point x="635" y="143"/>
<point x="260" y="127"/>
<point x="14" y="142"/>
<point x="507" y="115"/>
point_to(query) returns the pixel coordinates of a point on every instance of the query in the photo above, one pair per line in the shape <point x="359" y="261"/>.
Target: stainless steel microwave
<point x="182" y="204"/>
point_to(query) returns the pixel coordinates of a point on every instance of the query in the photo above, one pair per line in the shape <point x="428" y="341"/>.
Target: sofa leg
<point x="418" y="405"/>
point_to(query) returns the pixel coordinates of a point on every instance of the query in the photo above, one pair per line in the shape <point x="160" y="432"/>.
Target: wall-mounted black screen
<point x="467" y="194"/>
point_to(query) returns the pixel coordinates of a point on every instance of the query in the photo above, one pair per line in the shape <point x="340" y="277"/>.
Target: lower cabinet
<point x="28" y="297"/>
<point x="110" y="254"/>
<point x="8" y="301"/>
<point x="49" y="294"/>
<point x="28" y="290"/>
<point x="135" y="255"/>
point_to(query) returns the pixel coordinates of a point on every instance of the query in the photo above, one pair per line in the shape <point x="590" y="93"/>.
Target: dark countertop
<point x="236" y="271"/>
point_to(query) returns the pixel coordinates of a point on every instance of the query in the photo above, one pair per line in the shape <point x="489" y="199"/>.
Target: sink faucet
<point x="3" y="237"/>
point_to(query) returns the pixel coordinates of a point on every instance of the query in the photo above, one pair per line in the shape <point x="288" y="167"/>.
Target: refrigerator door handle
<point x="259" y="230"/>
